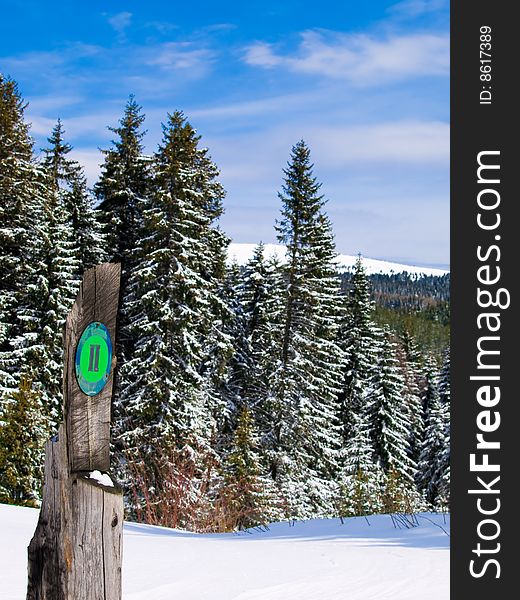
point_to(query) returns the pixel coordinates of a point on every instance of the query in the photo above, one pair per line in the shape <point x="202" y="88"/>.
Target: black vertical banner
<point x="485" y="251"/>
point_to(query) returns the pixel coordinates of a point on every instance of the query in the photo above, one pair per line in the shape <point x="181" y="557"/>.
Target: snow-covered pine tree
<point x="247" y="496"/>
<point x="122" y="186"/>
<point x="430" y="385"/>
<point x="70" y="183"/>
<point x="50" y="293"/>
<point x="305" y="432"/>
<point x="265" y="301"/>
<point x="358" y="339"/>
<point x="388" y="418"/>
<point x="234" y="325"/>
<point x="22" y="437"/>
<point x="432" y="475"/>
<point x="361" y="477"/>
<point x="255" y="295"/>
<point x="445" y="378"/>
<point x="410" y="363"/>
<point x="174" y="309"/>
<point x="260" y="298"/>
<point x="443" y="498"/>
<point x="21" y="188"/>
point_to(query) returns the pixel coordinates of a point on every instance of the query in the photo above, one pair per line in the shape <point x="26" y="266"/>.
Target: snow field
<point x="313" y="560"/>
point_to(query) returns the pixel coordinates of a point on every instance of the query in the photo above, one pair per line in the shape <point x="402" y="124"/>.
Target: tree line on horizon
<point x="244" y="395"/>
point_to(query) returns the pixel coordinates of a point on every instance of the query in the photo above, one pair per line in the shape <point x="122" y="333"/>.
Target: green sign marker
<point x="93" y="359"/>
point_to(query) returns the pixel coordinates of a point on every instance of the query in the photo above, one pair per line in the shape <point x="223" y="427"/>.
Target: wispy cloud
<point x="120" y="23"/>
<point x="269" y="105"/>
<point x="359" y="59"/>
<point x="44" y="63"/>
<point x="416" y="8"/>
<point x="173" y="56"/>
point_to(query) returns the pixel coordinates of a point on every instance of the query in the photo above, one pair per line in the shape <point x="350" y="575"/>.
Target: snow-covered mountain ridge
<point x="241" y="253"/>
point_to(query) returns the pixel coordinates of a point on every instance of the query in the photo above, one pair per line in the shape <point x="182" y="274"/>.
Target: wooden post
<point x="75" y="553"/>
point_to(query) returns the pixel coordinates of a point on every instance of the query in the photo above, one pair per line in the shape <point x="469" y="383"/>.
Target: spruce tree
<point x="175" y="313"/>
<point x="122" y="189"/>
<point x="444" y="379"/>
<point x="388" y="418"/>
<point x="247" y="495"/>
<point x="305" y="433"/>
<point x="22" y="438"/>
<point x="75" y="201"/>
<point x="22" y="189"/>
<point x="358" y="339"/>
<point x="51" y="291"/>
<point x="232" y="389"/>
<point x="122" y="186"/>
<point x="261" y="306"/>
<point x="256" y="299"/>
<point x="361" y="477"/>
<point x="443" y="470"/>
<point x="433" y="468"/>
<point x="430" y="386"/>
<point x="409" y="362"/>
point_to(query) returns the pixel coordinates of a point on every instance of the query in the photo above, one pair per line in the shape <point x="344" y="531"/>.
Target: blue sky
<point x="365" y="84"/>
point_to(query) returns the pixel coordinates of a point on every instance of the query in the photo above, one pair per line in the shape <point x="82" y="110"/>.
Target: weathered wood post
<point x="75" y="553"/>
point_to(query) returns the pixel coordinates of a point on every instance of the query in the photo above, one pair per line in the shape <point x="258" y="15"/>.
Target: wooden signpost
<point x="75" y="553"/>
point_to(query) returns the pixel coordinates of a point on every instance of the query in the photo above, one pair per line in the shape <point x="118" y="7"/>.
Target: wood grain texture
<point x="75" y="553"/>
<point x="88" y="417"/>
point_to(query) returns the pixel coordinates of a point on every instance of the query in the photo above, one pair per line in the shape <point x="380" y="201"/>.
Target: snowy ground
<point x="241" y="253"/>
<point x="314" y="560"/>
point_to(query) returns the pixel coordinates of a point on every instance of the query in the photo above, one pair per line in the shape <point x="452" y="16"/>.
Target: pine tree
<point x="432" y="470"/>
<point x="387" y="414"/>
<point x="175" y="312"/>
<point x="247" y="496"/>
<point x="409" y="362"/>
<point x="261" y="307"/>
<point x="361" y="477"/>
<point x="70" y="185"/>
<point x="444" y="379"/>
<point x="358" y="339"/>
<point x="22" y="437"/>
<point x="123" y="185"/>
<point x="256" y="299"/>
<point x="430" y="386"/>
<point x="443" y="497"/>
<point x="305" y="434"/>
<point x="22" y="188"/>
<point x="232" y="382"/>
<point x="51" y="287"/>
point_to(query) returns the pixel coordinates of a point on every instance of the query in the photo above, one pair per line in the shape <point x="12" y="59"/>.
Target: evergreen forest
<point x="245" y="394"/>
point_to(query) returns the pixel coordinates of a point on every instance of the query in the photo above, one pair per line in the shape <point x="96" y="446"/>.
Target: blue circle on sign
<point x="93" y="359"/>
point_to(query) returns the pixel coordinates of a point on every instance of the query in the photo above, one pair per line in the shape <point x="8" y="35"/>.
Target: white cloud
<point x="172" y="56"/>
<point x="260" y="156"/>
<point x="120" y="22"/>
<point x="262" y="55"/>
<point x="360" y="59"/>
<point x="263" y="106"/>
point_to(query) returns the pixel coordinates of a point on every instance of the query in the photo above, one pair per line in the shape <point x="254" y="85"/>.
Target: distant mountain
<point x="241" y="253"/>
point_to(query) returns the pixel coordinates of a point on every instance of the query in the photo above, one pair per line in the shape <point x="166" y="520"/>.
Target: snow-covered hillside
<point x="241" y="253"/>
<point x="314" y="560"/>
